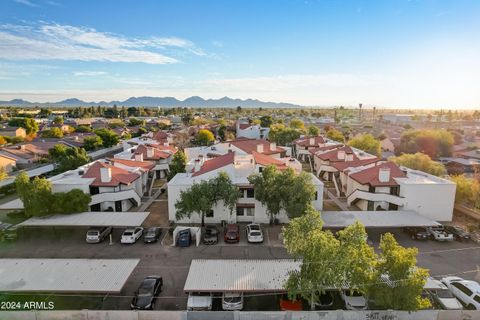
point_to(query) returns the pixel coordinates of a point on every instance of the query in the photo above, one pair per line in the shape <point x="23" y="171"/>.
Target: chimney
<point x="105" y="174"/>
<point x="201" y="158"/>
<point x="384" y="174"/>
<point x="149" y="152"/>
<point x="273" y="146"/>
<point x="139" y="157"/>
<point x="197" y="165"/>
<point x="341" y="155"/>
<point x="312" y="142"/>
<point x="166" y="144"/>
<point x="349" y="157"/>
<point x="260" y="148"/>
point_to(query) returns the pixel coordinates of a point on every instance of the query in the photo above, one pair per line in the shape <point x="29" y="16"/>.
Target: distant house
<point x="13" y="132"/>
<point x="387" y="145"/>
<point x="251" y="131"/>
<point x="7" y="162"/>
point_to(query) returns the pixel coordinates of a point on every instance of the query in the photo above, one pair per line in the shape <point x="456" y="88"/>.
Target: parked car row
<point x="129" y="235"/>
<point x="438" y="233"/>
<point x="231" y="234"/>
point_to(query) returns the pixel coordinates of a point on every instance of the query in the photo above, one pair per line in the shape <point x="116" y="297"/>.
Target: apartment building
<point x="238" y="166"/>
<point x="251" y="131"/>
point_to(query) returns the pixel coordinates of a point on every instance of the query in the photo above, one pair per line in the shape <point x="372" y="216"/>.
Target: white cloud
<point x="27" y="3"/>
<point x="63" y="42"/>
<point x="89" y="73"/>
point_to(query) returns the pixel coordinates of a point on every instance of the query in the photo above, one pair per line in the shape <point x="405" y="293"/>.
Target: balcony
<point x="376" y="197"/>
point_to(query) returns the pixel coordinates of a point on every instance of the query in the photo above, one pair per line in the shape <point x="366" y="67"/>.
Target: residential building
<point x="238" y="166"/>
<point x="251" y="131"/>
<point x="383" y="185"/>
<point x="13" y="132"/>
<point x="114" y="184"/>
<point x="7" y="162"/>
<point x="159" y="154"/>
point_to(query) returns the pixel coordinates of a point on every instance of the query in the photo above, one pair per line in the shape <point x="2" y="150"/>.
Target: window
<point x="477" y="298"/>
<point x="240" y="193"/>
<point x="462" y="288"/>
<point x="260" y="169"/>
<point x="209" y="214"/>
<point x="245" y="212"/>
<point x="316" y="196"/>
<point x="250" y="193"/>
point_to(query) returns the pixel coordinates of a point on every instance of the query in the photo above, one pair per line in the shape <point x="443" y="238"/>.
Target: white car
<point x="254" y="233"/>
<point x="442" y="295"/>
<point x="131" y="235"/>
<point x="354" y="300"/>
<point x="467" y="291"/>
<point x="232" y="301"/>
<point x="199" y="301"/>
<point x="438" y="233"/>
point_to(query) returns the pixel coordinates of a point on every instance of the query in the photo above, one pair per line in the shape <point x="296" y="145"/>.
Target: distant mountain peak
<point x="146" y="101"/>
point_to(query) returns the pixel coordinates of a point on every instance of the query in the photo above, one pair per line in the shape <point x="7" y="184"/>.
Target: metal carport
<point x="89" y="219"/>
<point x="376" y="219"/>
<point x="65" y="275"/>
<point x="246" y="275"/>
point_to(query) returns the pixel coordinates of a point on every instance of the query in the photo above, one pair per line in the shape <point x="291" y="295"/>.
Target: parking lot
<point x="172" y="263"/>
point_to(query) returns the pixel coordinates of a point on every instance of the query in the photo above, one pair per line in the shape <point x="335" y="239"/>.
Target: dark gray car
<point x="152" y="235"/>
<point x="210" y="236"/>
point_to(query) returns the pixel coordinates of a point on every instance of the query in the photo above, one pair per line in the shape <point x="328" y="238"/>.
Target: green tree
<point x="266" y="121"/>
<point x="83" y="129"/>
<point x="109" y="137"/>
<point x="58" y="120"/>
<point x="319" y="252"/>
<point x="136" y="122"/>
<point x="3" y="173"/>
<point x="282" y="135"/>
<point x="68" y="158"/>
<point x="29" y="124"/>
<point x="420" y="161"/>
<point x="313" y="131"/>
<point x="406" y="281"/>
<point x="335" y="135"/>
<point x="52" y="133"/>
<point x="202" y="196"/>
<point x="73" y="201"/>
<point x="92" y="143"/>
<point x="297" y="124"/>
<point x="467" y="191"/>
<point x="283" y="190"/>
<point x="204" y="137"/>
<point x="367" y="143"/>
<point x="177" y="165"/>
<point x="433" y="142"/>
<point x="36" y="195"/>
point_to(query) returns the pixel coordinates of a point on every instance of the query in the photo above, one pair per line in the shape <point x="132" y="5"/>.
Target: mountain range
<point x="168" y="102"/>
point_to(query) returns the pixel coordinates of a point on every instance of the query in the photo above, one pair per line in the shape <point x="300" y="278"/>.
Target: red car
<point x="232" y="233"/>
<point x="290" y="305"/>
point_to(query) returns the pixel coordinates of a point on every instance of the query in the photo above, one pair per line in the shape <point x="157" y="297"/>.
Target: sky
<point x="395" y="53"/>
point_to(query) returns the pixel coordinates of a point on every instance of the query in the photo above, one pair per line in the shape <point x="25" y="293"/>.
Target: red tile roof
<point x="250" y="145"/>
<point x="265" y="160"/>
<point x="146" y="165"/>
<point x="370" y="175"/>
<point x="342" y="165"/>
<point x="216" y="163"/>
<point x="305" y="141"/>
<point x="119" y="176"/>
<point x="332" y="155"/>
<point x="324" y="148"/>
<point x="162" y="147"/>
<point x="157" y="154"/>
<point x="160" y="136"/>
<point x="244" y="126"/>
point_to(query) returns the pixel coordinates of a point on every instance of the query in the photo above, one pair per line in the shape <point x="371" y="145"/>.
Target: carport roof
<point x="376" y="219"/>
<point x="89" y="219"/>
<point x="65" y="275"/>
<point x="218" y="275"/>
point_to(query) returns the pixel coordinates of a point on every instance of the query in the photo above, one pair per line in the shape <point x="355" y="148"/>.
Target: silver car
<point x="96" y="235"/>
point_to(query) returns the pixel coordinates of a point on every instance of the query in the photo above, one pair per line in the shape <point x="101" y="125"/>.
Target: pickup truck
<point x="438" y="233"/>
